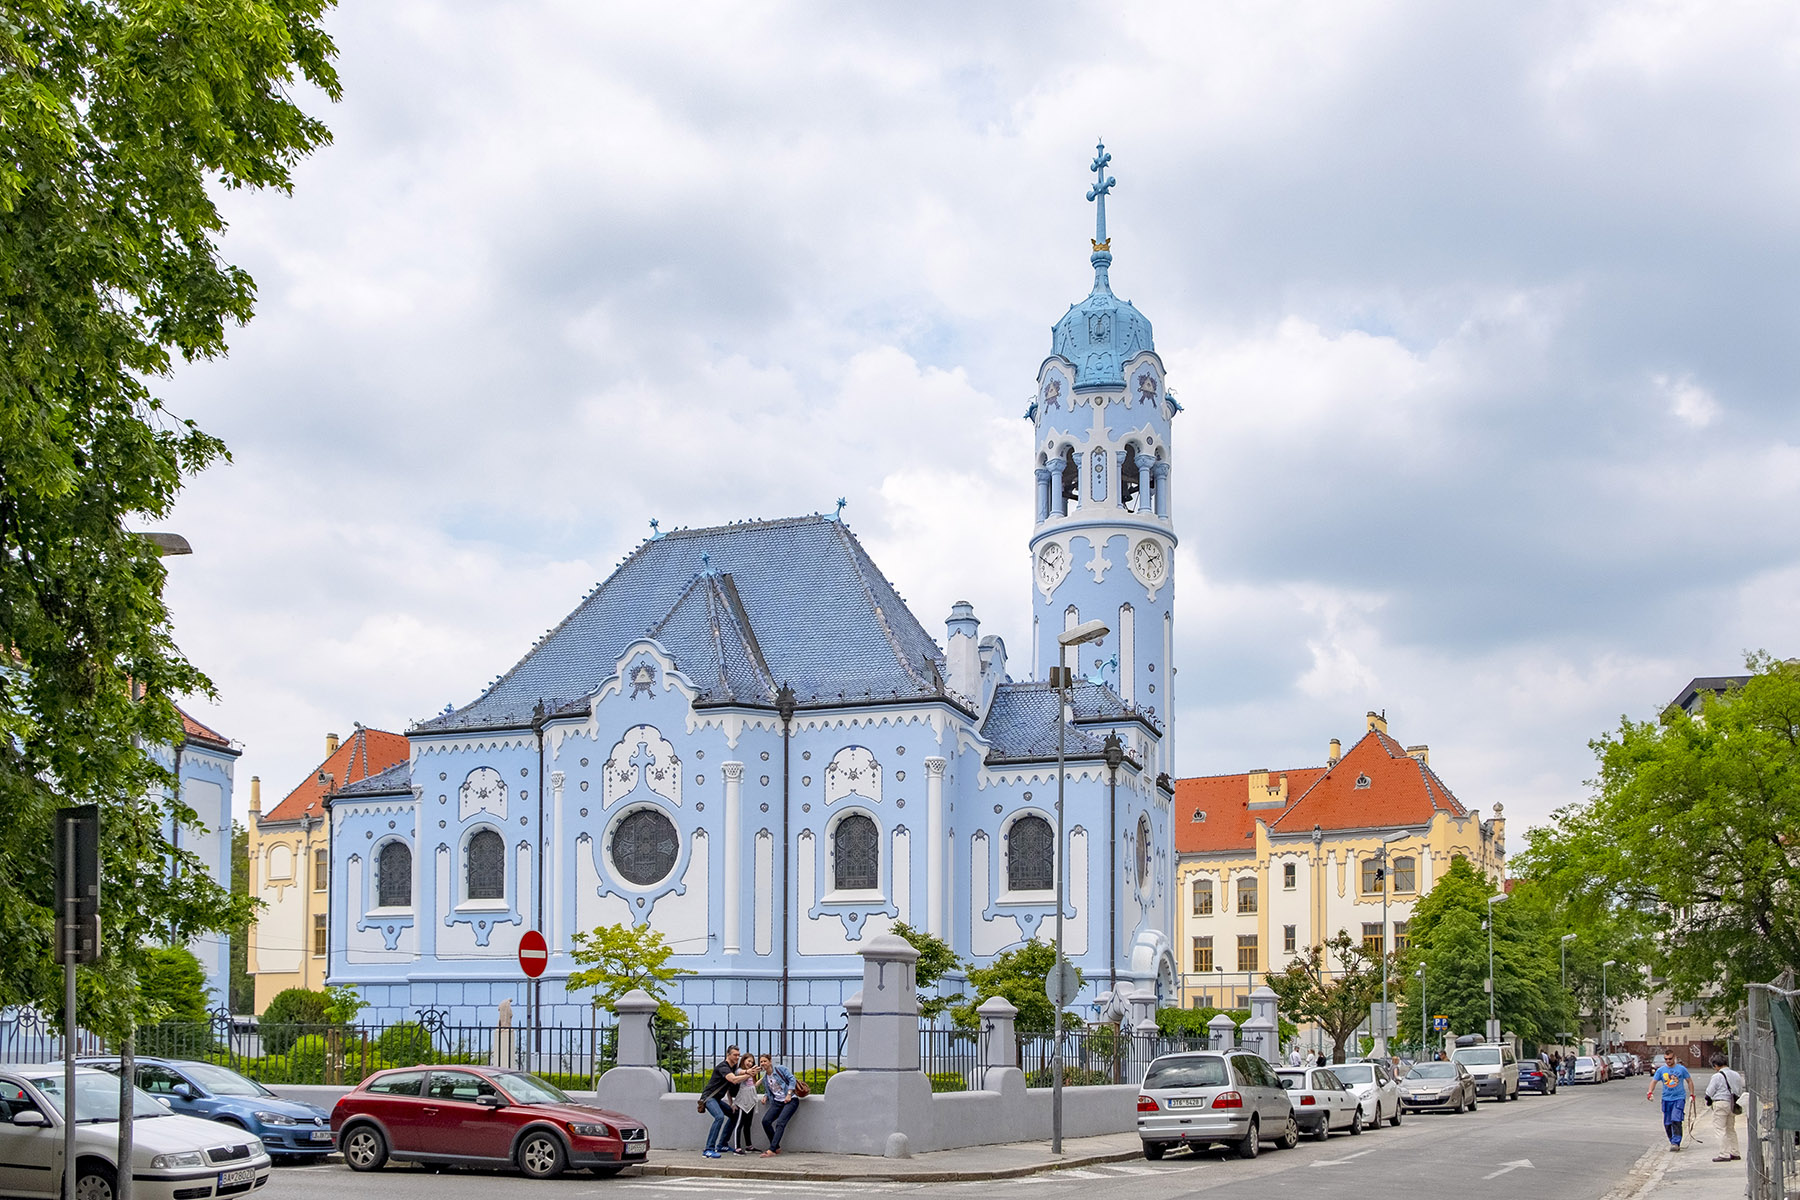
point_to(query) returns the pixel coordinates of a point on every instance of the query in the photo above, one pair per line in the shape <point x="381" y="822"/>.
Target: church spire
<point x="1103" y="183"/>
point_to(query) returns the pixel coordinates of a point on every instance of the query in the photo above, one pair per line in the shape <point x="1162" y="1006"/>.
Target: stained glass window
<point x="393" y="876"/>
<point x="1143" y="851"/>
<point x="487" y="866"/>
<point x="856" y="849"/>
<point x="1030" y="855"/>
<point x="644" y="847"/>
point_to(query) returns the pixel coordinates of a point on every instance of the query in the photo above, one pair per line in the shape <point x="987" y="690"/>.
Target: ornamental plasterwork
<point x="1052" y="564"/>
<point x="644" y="653"/>
<point x="1099" y="564"/>
<point x="1149" y="560"/>
<point x="853" y="771"/>
<point x="483" y="791"/>
<point x="641" y="760"/>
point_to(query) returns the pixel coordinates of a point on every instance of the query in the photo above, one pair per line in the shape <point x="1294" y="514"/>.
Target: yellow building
<point x="290" y="864"/>
<point x="1269" y="863"/>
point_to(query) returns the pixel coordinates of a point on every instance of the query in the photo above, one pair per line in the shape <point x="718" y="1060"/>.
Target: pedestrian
<point x="1722" y="1093"/>
<point x="782" y="1092"/>
<point x="716" y="1100"/>
<point x="1295" y="1058"/>
<point x="744" y="1112"/>
<point x="1321" y="1058"/>
<point x="1677" y="1093"/>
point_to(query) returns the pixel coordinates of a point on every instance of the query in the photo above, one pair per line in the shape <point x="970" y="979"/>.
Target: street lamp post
<point x="1566" y="938"/>
<point x="1424" y="1037"/>
<point x="1381" y="854"/>
<point x="1062" y="681"/>
<point x="1604" y="1040"/>
<point x="1492" y="1030"/>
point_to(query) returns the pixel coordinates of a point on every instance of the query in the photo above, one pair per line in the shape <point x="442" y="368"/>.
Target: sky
<point x="1482" y="316"/>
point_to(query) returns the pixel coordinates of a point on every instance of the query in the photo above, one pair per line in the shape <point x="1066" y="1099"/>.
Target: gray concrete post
<point x="1260" y="1035"/>
<point x="1223" y="1032"/>
<point x="888" y="1039"/>
<point x="637" y="1042"/>
<point x="1143" y="1004"/>
<point x="1000" y="1046"/>
<point x="852" y="1028"/>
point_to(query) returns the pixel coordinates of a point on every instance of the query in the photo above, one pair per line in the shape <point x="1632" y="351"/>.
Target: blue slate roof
<point x="395" y="780"/>
<point x="1101" y="334"/>
<point x="742" y="609"/>
<point x="1021" y="723"/>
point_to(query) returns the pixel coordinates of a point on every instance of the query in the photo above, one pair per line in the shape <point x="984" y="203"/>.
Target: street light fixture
<point x="1381" y="856"/>
<point x="1565" y="960"/>
<point x="1493" y="1024"/>
<point x="1424" y="1036"/>
<point x="1611" y="962"/>
<point x="1061" y="678"/>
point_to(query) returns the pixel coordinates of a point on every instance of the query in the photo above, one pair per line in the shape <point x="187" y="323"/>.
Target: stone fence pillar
<point x="1143" y="1004"/>
<point x="888" y="1034"/>
<point x="637" y="1040"/>
<point x="852" y="1029"/>
<point x="1223" y="1031"/>
<point x="999" y="1044"/>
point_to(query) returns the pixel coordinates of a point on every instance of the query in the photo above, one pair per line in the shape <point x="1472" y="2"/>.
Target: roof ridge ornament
<point x="1103" y="183"/>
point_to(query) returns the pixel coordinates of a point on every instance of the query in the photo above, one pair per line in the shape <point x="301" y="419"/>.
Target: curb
<point x="943" y="1175"/>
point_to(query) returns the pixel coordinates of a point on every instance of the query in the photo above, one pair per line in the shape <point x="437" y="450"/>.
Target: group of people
<point x="739" y="1086"/>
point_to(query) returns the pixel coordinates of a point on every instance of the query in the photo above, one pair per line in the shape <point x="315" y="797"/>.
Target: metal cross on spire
<point x="1103" y="183"/>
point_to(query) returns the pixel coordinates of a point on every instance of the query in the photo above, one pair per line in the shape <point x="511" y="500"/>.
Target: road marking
<point x="1336" y="1162"/>
<point x="1511" y="1166"/>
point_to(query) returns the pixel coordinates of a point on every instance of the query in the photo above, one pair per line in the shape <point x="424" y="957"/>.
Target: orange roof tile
<point x="1400" y="791"/>
<point x="1213" y="812"/>
<point x="194" y="731"/>
<point x="366" y="752"/>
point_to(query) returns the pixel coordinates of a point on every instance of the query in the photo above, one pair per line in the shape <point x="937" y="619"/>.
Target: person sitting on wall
<point x="783" y="1092"/>
<point x="717" y="1098"/>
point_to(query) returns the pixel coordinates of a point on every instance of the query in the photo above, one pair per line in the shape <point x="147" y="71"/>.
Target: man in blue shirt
<point x="1677" y="1092"/>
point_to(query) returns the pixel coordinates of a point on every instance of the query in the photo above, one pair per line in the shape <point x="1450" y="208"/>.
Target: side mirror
<point x="31" y="1118"/>
<point x="183" y="1091"/>
<point x="490" y="1102"/>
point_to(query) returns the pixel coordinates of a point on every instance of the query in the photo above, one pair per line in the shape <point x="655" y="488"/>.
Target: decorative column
<point x="888" y="1039"/>
<point x="999" y="1043"/>
<point x="1059" y="486"/>
<point x="1043" y="493"/>
<point x="1161" y="475"/>
<point x="734" y="855"/>
<point x="935" y="845"/>
<point x="1146" y="465"/>
<point x="1223" y="1032"/>
<point x="553" y="867"/>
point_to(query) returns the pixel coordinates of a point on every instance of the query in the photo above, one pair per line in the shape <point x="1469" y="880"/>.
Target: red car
<point x="481" y="1117"/>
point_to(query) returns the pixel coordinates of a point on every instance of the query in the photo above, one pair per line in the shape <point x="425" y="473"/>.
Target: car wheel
<point x="1322" y="1133"/>
<point x="1251" y="1146"/>
<point x="541" y="1155"/>
<point x="1356" y="1122"/>
<point x="1290" y="1134"/>
<point x="1154" y="1151"/>
<point x="1399" y="1111"/>
<point x="94" y="1181"/>
<point x="1376" y="1123"/>
<point x="606" y="1172"/>
<point x="365" y="1149"/>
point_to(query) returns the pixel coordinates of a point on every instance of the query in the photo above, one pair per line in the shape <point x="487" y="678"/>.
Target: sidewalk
<point x="943" y="1166"/>
<point x="1662" y="1174"/>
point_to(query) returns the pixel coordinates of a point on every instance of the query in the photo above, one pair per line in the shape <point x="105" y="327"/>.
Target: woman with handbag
<point x="784" y="1092"/>
<point x="1723" y="1093"/>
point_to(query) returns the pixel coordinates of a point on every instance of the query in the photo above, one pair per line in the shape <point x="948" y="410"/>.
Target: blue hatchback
<point x="199" y="1089"/>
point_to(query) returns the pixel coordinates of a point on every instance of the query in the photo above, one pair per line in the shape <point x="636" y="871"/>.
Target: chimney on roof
<point x="256" y="795"/>
<point x="1378" y="721"/>
<point x="1263" y="794"/>
<point x="1335" y="753"/>
<point x="962" y="646"/>
<point x="331" y="744"/>
<point x="1422" y="753"/>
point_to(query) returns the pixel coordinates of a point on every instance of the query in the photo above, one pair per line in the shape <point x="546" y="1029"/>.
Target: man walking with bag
<point x="1723" y="1092"/>
<point x="1677" y="1094"/>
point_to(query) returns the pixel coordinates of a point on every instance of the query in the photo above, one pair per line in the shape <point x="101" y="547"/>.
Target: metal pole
<point x="1603" y="967"/>
<point x="1381" y="1046"/>
<point x="71" y="935"/>
<point x="1056" y="1072"/>
<point x="1490" y="924"/>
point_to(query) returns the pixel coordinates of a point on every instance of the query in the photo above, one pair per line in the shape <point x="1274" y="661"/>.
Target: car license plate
<point x="631" y="1151"/>
<point x="321" y="1135"/>
<point x="1187" y="1102"/>
<point x="235" y="1178"/>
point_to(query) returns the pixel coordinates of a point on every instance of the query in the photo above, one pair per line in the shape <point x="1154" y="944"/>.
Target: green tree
<point x="1018" y="975"/>
<point x="174" y="983"/>
<point x="1335" y="998"/>
<point x="121" y="117"/>
<point x="1693" y="828"/>
<point x="936" y="960"/>
<point x="623" y="957"/>
<point x="1450" y="941"/>
<point x="291" y="1013"/>
<point x="243" y="984"/>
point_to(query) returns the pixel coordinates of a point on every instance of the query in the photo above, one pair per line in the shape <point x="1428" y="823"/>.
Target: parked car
<point x="1440" y="1086"/>
<point x="1535" y="1075"/>
<point x="1375" y="1087"/>
<point x="1495" y="1068"/>
<point x="1587" y="1070"/>
<point x="481" y="1116"/>
<point x="288" y="1128"/>
<point x="1619" y="1065"/>
<point x="171" y="1156"/>
<point x="1322" y="1102"/>
<point x="1205" y="1099"/>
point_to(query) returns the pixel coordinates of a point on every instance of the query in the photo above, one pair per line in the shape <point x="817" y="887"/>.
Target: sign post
<point x="77" y="941"/>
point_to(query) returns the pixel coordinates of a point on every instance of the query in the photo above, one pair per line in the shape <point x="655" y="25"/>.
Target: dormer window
<point x="1199" y="816"/>
<point x="1362" y="782"/>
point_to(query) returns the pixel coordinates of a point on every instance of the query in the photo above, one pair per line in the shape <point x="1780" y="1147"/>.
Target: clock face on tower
<point x="1148" y="561"/>
<point x="1052" y="565"/>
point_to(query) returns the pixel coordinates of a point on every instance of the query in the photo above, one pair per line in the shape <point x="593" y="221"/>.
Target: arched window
<point x="393" y="876"/>
<point x="856" y="854"/>
<point x="645" y="846"/>
<point x="1128" y="477"/>
<point x="1030" y="855"/>
<point x="487" y="866"/>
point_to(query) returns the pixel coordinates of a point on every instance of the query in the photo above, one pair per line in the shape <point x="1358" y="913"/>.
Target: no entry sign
<point x="534" y="953"/>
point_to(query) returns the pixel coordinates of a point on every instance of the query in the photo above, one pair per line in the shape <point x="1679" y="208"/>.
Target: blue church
<point x="746" y="739"/>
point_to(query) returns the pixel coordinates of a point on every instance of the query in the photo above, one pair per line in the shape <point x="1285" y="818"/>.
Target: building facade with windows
<point x="1270" y="863"/>
<point x="290" y="864"/>
<point x="203" y="763"/>
<point x="746" y="740"/>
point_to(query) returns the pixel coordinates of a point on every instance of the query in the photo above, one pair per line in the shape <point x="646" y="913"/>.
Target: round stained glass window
<point x="644" y="847"/>
<point x="1143" y="851"/>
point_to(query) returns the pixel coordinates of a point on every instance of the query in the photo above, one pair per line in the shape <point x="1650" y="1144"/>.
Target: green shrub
<point x="287" y="1015"/>
<point x="1072" y="1077"/>
<point x="405" y="1045"/>
<point x="946" y="1081"/>
<point x="173" y="979"/>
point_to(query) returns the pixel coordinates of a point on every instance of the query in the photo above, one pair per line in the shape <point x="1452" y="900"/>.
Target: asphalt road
<point x="1576" y="1145"/>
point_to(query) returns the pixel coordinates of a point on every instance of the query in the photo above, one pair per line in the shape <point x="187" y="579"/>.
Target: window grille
<point x="487" y="866"/>
<point x="1030" y="855"/>
<point x="393" y="876"/>
<point x="856" y="854"/>
<point x="645" y="847"/>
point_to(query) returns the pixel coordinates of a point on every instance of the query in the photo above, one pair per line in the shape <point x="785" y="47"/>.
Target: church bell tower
<point x="1103" y="542"/>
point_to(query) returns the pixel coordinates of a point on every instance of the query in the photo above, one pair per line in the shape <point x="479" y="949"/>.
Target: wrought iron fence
<point x="1772" y="1142"/>
<point x="28" y="1036"/>
<point x="955" y="1059"/>
<point x="812" y="1054"/>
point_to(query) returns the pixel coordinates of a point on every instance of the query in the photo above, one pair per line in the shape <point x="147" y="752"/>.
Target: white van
<point x="1495" y="1068"/>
